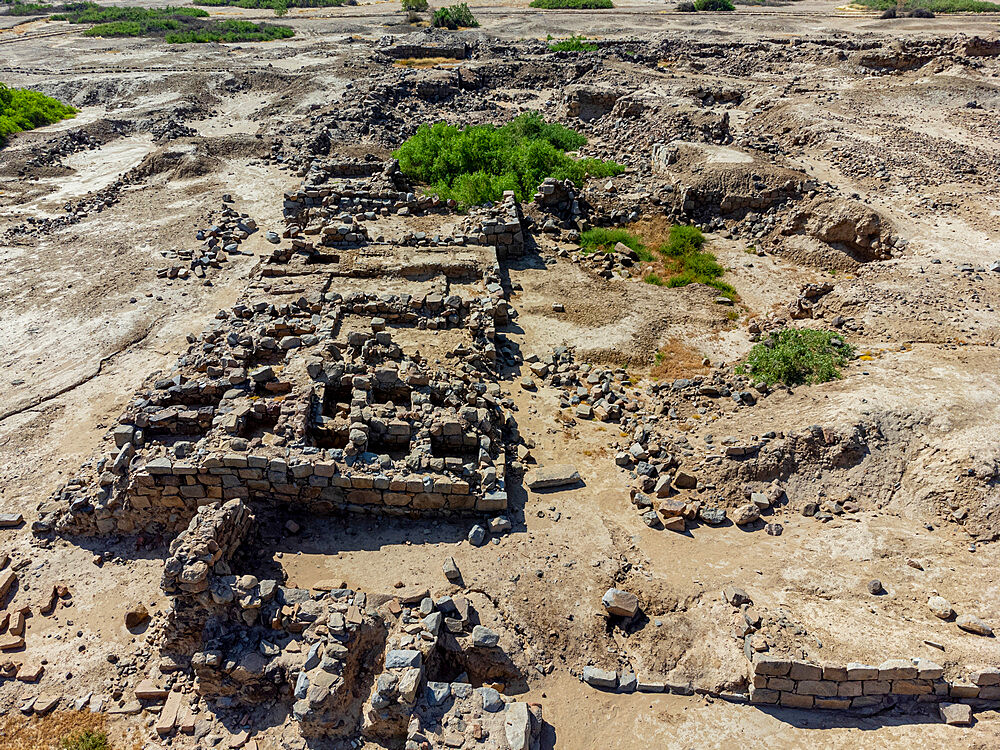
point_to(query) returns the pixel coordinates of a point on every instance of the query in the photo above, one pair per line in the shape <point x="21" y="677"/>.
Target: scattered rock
<point x="956" y="714"/>
<point x="557" y="475"/>
<point x="972" y="624"/>
<point x="620" y="603"/>
<point x="746" y="514"/>
<point x="941" y="607"/>
<point x="136" y="615"/>
<point x="600" y="678"/>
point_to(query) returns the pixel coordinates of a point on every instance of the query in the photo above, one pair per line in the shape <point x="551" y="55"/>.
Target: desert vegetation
<point x="796" y="356"/>
<point x="23" y="109"/>
<point x="572" y="4"/>
<point x="572" y="44"/>
<point x="454" y="17"/>
<point x="477" y="164"/>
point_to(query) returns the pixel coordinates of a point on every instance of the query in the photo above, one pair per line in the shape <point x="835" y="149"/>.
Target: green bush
<point x="23" y="109"/>
<point x="231" y="31"/>
<point x="275" y="5"/>
<point x="682" y="240"/>
<point x="85" y="740"/>
<point x="573" y="44"/>
<point x="934" y="6"/>
<point x="19" y="8"/>
<point x="604" y="240"/>
<point x="176" y="25"/>
<point x="93" y="13"/>
<point x="600" y="239"/>
<point x="413" y="8"/>
<point x="454" y="17"/>
<point x="713" y="5"/>
<point x="572" y="4"/>
<point x="794" y="356"/>
<point x="478" y="163"/>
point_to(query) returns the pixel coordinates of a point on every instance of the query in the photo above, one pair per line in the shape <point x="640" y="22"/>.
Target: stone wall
<point x="799" y="684"/>
<point x="213" y="535"/>
<point x="167" y="494"/>
<point x="501" y="228"/>
<point x="590" y="102"/>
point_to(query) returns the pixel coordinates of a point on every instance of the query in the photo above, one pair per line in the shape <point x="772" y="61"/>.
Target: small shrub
<point x="653" y="278"/>
<point x="23" y="109"/>
<point x="792" y="356"/>
<point x="176" y="25"/>
<point x="572" y="4"/>
<point x="682" y="241"/>
<point x="276" y="5"/>
<point x="601" y="239"/>
<point x="685" y="7"/>
<point x="713" y="5"/>
<point x="85" y="740"/>
<point x="573" y="44"/>
<point x="454" y="17"/>
<point x="413" y="8"/>
<point x="20" y="8"/>
<point x="919" y="8"/>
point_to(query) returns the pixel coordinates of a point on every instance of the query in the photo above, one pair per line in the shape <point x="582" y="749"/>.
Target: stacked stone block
<point x="800" y="684"/>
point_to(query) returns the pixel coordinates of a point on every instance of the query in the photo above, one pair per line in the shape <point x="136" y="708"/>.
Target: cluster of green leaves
<point x="454" y="17"/>
<point x="794" y="356"/>
<point x="85" y="740"/>
<point x="603" y="240"/>
<point x="19" y="8"/>
<point x="478" y="163"/>
<point x="573" y="44"/>
<point x="230" y="31"/>
<point x="274" y="4"/>
<point x="572" y="4"/>
<point x="93" y="13"/>
<point x="684" y="258"/>
<point x="23" y="109"/>
<point x="713" y="5"/>
<point x="177" y="25"/>
<point x="934" y="6"/>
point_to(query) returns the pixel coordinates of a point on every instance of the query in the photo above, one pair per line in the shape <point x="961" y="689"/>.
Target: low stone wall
<point x="455" y="50"/>
<point x="168" y="493"/>
<point x="800" y="684"/>
<point x="590" y="102"/>
<point x="502" y="228"/>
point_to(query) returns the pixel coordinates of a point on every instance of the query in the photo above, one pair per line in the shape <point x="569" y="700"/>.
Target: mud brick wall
<point x="800" y="684"/>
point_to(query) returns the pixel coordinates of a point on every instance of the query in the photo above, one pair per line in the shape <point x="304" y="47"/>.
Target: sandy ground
<point x="85" y="320"/>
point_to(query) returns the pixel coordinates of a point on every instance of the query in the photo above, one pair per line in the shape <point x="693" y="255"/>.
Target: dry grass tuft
<point x="19" y="732"/>
<point x="676" y="359"/>
<point x="31" y="733"/>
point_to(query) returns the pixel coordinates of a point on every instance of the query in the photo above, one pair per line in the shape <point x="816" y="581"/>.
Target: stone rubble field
<point x="296" y="454"/>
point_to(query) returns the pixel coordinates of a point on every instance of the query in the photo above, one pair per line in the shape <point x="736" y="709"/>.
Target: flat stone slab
<point x="956" y="714"/>
<point x="556" y="475"/>
<point x="600" y="678"/>
<point x="10" y="520"/>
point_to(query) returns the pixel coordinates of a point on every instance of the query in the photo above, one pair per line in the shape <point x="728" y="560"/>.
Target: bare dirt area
<point x="295" y="454"/>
